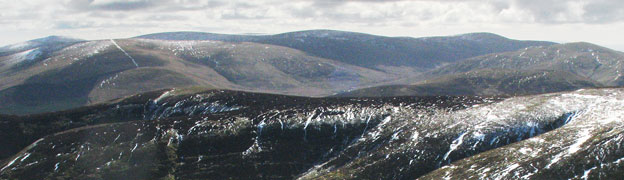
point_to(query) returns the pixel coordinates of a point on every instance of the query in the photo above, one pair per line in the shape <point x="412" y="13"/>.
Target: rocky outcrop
<point x="238" y="135"/>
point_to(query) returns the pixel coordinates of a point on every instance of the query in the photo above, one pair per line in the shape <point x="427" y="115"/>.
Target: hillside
<point x="583" y="59"/>
<point x="587" y="147"/>
<point x="16" y="57"/>
<point x="57" y="73"/>
<point x="388" y="54"/>
<point x="484" y="82"/>
<point x="228" y="134"/>
<point x="96" y="71"/>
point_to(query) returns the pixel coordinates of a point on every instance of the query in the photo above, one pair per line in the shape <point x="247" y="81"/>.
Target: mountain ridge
<point x="584" y="59"/>
<point x="367" y="50"/>
<point x="308" y="63"/>
<point x="484" y="82"/>
<point x="215" y="133"/>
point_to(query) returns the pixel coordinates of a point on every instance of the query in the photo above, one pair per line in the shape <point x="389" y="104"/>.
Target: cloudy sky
<point x="596" y="21"/>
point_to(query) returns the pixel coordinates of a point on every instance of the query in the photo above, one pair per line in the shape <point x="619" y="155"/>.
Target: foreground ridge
<point x="229" y="134"/>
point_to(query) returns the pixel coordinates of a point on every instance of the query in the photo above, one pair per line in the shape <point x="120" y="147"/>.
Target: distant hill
<point x="559" y="67"/>
<point x="487" y="82"/>
<point x="389" y="54"/>
<point x="56" y="73"/>
<point x="50" y="42"/>
<point x="583" y="59"/>
<point x="97" y="71"/>
<point x="18" y="56"/>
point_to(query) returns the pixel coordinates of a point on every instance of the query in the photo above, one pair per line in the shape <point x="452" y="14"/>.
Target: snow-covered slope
<point x="35" y="43"/>
<point x="22" y="55"/>
<point x="589" y="146"/>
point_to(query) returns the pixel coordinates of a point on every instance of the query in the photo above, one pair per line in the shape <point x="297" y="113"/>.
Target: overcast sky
<point x="596" y="21"/>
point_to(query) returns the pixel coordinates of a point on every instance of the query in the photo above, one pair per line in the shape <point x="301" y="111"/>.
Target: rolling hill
<point x="388" y="54"/>
<point x="583" y="59"/>
<point x="484" y="82"/>
<point x="19" y="56"/>
<point x="532" y="70"/>
<point x="97" y="71"/>
<point x="58" y="73"/>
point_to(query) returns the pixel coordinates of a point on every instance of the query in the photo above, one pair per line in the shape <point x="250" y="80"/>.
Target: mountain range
<point x="375" y="52"/>
<point x="532" y="70"/>
<point x="316" y="104"/>
<point x="57" y="73"/>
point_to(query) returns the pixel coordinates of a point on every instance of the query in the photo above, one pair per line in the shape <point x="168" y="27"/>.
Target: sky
<point x="596" y="21"/>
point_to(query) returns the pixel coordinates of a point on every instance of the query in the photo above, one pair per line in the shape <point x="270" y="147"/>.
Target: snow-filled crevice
<point x="479" y="141"/>
<point x="195" y="105"/>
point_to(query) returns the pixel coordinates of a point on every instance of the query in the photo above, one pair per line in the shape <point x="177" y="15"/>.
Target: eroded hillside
<point x="224" y="134"/>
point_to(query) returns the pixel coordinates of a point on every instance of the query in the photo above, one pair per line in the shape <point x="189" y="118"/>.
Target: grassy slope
<point x="583" y="59"/>
<point x="98" y="71"/>
<point x="485" y="82"/>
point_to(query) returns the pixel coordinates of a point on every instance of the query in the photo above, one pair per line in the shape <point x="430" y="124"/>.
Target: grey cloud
<point x="194" y="5"/>
<point x="166" y="18"/>
<point x="72" y="25"/>
<point x="500" y="5"/>
<point x="338" y="3"/>
<point x="327" y="4"/>
<point x="166" y="5"/>
<point x="236" y="15"/>
<point x="602" y="11"/>
<point x="302" y="12"/>
<point x="557" y="11"/>
<point x="78" y="13"/>
<point x="87" y="5"/>
<point x="336" y="12"/>
<point x="545" y="11"/>
<point x="125" y="6"/>
<point x="78" y="4"/>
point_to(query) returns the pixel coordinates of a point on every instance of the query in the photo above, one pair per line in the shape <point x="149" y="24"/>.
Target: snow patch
<point x="585" y="135"/>
<point x="507" y="171"/>
<point x="18" y="45"/>
<point x="25" y="56"/>
<point x="10" y="163"/>
<point x="29" y="55"/>
<point x="162" y="96"/>
<point x="414" y="136"/>
<point x="56" y="166"/>
<point x="25" y="157"/>
<point x="455" y="144"/>
<point x="586" y="173"/>
<point x="135" y="147"/>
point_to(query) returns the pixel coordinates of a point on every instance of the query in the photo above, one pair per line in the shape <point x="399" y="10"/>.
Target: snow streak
<point x="122" y="50"/>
